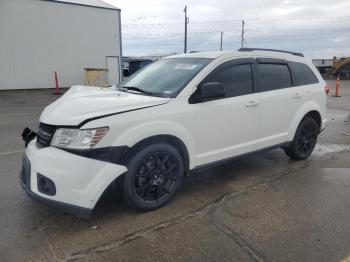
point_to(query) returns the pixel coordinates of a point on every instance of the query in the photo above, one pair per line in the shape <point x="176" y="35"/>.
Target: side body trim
<point x="222" y="161"/>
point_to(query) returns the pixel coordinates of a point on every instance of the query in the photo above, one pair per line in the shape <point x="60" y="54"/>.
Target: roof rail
<point x="248" y="49"/>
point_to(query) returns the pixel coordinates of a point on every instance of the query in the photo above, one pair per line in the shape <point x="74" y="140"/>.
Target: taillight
<point x="326" y="89"/>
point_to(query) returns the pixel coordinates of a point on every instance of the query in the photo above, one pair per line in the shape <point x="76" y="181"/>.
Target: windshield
<point x="166" y="77"/>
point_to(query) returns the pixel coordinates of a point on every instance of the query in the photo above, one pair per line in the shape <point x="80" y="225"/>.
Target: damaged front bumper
<point x="28" y="135"/>
<point x="77" y="211"/>
<point x="64" y="180"/>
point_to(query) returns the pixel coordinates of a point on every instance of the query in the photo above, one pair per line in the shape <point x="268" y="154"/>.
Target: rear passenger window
<point x="274" y="76"/>
<point x="302" y="74"/>
<point x="237" y="79"/>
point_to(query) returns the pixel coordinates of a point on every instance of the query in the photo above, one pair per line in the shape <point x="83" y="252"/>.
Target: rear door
<point x="305" y="81"/>
<point x="228" y="126"/>
<point x="279" y="100"/>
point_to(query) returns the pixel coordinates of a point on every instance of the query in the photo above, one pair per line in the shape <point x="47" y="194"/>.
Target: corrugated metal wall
<point x="38" y="37"/>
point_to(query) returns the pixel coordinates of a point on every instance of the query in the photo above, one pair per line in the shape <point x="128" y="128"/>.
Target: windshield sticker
<point x="185" y="66"/>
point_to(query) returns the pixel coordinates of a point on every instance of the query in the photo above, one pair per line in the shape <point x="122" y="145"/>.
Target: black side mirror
<point x="208" y="91"/>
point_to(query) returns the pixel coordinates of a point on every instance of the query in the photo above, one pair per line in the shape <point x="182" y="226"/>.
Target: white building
<point x="39" y="37"/>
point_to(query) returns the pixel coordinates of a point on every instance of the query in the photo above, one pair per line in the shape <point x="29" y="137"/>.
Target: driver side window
<point x="237" y="80"/>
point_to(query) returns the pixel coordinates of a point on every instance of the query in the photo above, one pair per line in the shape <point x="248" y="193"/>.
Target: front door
<point x="228" y="126"/>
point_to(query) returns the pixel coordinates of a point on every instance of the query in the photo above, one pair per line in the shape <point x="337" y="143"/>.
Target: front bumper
<point x="79" y="181"/>
<point x="71" y="209"/>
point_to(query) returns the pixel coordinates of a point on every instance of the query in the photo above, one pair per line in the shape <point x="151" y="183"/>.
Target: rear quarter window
<point x="274" y="76"/>
<point x="302" y="74"/>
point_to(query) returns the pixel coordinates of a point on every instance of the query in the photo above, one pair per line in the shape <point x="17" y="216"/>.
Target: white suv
<point x="177" y="114"/>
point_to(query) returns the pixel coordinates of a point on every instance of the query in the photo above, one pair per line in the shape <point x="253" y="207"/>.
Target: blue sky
<point x="318" y="28"/>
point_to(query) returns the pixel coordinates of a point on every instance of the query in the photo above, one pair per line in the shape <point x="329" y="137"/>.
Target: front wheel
<point x="154" y="175"/>
<point x="304" y="140"/>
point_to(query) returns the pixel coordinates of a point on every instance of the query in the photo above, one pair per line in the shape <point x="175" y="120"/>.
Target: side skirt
<point x="226" y="160"/>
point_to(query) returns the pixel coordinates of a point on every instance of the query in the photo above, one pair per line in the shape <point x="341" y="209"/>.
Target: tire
<point x="154" y="175"/>
<point x="304" y="141"/>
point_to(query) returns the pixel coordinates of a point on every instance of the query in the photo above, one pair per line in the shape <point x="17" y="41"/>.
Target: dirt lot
<point x="262" y="207"/>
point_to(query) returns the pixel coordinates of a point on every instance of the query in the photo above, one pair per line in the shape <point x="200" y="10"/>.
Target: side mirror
<point x="208" y="91"/>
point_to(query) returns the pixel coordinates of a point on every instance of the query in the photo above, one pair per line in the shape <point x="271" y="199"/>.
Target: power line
<point x="178" y="34"/>
<point x="239" y="30"/>
<point x="251" y="20"/>
<point x="256" y="38"/>
<point x="199" y="34"/>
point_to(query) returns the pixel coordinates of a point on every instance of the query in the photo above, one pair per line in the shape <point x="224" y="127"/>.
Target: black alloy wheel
<point x="304" y="140"/>
<point x="307" y="139"/>
<point x="154" y="175"/>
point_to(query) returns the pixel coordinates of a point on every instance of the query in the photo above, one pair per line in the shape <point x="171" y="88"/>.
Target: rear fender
<point x="306" y="108"/>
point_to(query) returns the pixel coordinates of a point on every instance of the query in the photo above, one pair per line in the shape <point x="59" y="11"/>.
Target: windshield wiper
<point x="135" y="88"/>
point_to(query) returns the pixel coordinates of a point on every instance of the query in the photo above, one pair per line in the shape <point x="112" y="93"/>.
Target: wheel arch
<point x="163" y="138"/>
<point x="311" y="110"/>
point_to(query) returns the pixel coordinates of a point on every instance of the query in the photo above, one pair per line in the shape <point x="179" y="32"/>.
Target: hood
<point x="84" y="102"/>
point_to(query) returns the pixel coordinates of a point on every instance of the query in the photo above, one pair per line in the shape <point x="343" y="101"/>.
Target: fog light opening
<point x="46" y="185"/>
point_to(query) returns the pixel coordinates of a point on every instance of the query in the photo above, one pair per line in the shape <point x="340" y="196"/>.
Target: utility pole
<point x="186" y="22"/>
<point x="222" y="34"/>
<point x="242" y="38"/>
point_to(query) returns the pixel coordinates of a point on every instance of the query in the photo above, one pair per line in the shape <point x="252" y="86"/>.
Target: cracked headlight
<point x="78" y="138"/>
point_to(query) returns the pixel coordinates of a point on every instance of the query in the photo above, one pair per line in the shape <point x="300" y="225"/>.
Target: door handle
<point x="297" y="95"/>
<point x="252" y="103"/>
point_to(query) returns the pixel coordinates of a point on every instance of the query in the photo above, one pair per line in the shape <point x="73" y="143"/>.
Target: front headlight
<point x="78" y="138"/>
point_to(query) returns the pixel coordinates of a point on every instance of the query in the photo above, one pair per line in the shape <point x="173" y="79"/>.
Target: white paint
<point x="82" y="102"/>
<point x="87" y="178"/>
<point x="226" y="127"/>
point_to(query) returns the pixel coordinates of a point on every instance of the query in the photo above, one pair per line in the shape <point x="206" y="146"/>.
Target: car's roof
<point x="238" y="54"/>
<point x="214" y="54"/>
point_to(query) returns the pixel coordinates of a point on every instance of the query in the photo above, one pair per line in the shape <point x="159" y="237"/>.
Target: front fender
<point x="306" y="108"/>
<point x="145" y="130"/>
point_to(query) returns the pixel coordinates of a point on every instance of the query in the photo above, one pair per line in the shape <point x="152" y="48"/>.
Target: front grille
<point x="45" y="134"/>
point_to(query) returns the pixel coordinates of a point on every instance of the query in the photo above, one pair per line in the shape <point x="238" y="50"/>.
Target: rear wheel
<point x="304" y="140"/>
<point x="154" y="175"/>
